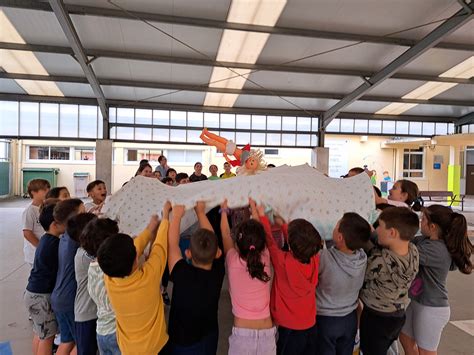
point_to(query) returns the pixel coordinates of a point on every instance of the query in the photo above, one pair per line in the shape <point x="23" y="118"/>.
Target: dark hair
<point x="227" y="163"/>
<point x="46" y="217"/>
<point x="304" y="240"/>
<point x="36" y="185"/>
<point x="411" y="189"/>
<point x="160" y="158"/>
<point x="93" y="184"/>
<point x="181" y="176"/>
<point x="250" y="240"/>
<point x="404" y="220"/>
<point x="355" y="230"/>
<point x="377" y="191"/>
<point x="95" y="233"/>
<point x="116" y="255"/>
<point x="143" y="162"/>
<point x="142" y="167"/>
<point x="210" y="166"/>
<point x="166" y="180"/>
<point x="77" y="223"/>
<point x="453" y="228"/>
<point x="55" y="192"/>
<point x="196" y="163"/>
<point x="357" y="170"/>
<point x="270" y="165"/>
<point x="170" y="170"/>
<point x="203" y="246"/>
<point x="66" y="209"/>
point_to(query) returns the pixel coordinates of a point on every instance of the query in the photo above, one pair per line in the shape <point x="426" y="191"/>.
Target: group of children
<point x="103" y="293"/>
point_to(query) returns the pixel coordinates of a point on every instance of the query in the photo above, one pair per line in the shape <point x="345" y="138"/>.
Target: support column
<point x="320" y="159"/>
<point x="103" y="161"/>
<point x="454" y="172"/>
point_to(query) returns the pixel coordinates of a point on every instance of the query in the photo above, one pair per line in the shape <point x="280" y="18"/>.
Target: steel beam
<point x="429" y="41"/>
<point x="75" y="43"/>
<point x="103" y="53"/>
<point x="464" y="120"/>
<point x="206" y="88"/>
<point x="215" y="109"/>
<point x="221" y="25"/>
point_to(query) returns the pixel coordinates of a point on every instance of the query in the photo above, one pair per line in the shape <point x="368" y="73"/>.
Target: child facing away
<point x="133" y="290"/>
<point x="32" y="229"/>
<point x="292" y="302"/>
<point x="391" y="267"/>
<point x="193" y="325"/>
<point x="249" y="270"/>
<point x="42" y="278"/>
<point x="443" y="246"/>
<point x="341" y="275"/>
<point x="97" y="191"/>
<point x="92" y="238"/>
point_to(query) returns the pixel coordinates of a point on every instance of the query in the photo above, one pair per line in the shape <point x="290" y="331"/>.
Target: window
<point x="38" y="153"/>
<point x="274" y="123"/>
<point x="180" y="156"/>
<point x="259" y="122"/>
<point x="143" y="116"/>
<point x="135" y="155"/>
<point x="288" y="139"/>
<point x="227" y="120"/>
<point x="84" y="154"/>
<point x="288" y="123"/>
<point x="258" y="138"/>
<point x="161" y="117"/>
<point x="242" y="138"/>
<point x="8" y="118"/>
<point x="88" y="121"/>
<point x="211" y="120"/>
<point x="304" y="124"/>
<point x="375" y="126"/>
<point x="441" y="128"/>
<point x="178" y="118"/>
<point x="143" y="134"/>
<point x="125" y="115"/>
<point x="402" y="127"/>
<point x="177" y="135"/>
<point x="273" y="138"/>
<point x="68" y="120"/>
<point x="303" y="140"/>
<point x="428" y="128"/>
<point x="334" y="125"/>
<point x="4" y="150"/>
<point x="48" y="153"/>
<point x="49" y="120"/>
<point x="194" y="136"/>
<point x="195" y="119"/>
<point x="415" y="128"/>
<point x="413" y="163"/>
<point x="360" y="126"/>
<point x="388" y="127"/>
<point x="347" y="125"/>
<point x="242" y="121"/>
<point x="59" y="153"/>
<point x="125" y="133"/>
<point x="29" y="116"/>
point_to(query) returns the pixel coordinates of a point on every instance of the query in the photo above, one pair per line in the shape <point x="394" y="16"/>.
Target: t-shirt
<point x="30" y="220"/>
<point x="250" y="296"/>
<point x="90" y="206"/>
<point x="429" y="287"/>
<point x="194" y="302"/>
<point x="45" y="267"/>
<point x="84" y="307"/>
<point x="195" y="178"/>
<point x="214" y="177"/>
<point x="64" y="293"/>
<point x="98" y="293"/>
<point x="226" y="176"/>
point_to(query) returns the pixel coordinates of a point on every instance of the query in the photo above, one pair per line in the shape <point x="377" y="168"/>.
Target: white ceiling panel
<point x="328" y="53"/>
<point x="459" y="92"/>
<point x="152" y="95"/>
<point x="76" y="90"/>
<point x="438" y="110"/>
<point x="10" y="86"/>
<point x="137" y="36"/>
<point x="274" y="102"/>
<point x="364" y="16"/>
<point x="151" y="71"/>
<point x="365" y="106"/>
<point x="37" y="27"/>
<point x="436" y="61"/>
<point x="59" y="64"/>
<point x="211" y="9"/>
<point x="304" y="82"/>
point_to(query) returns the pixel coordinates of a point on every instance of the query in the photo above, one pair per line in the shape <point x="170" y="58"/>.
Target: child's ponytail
<point x="250" y="240"/>
<point x="458" y="243"/>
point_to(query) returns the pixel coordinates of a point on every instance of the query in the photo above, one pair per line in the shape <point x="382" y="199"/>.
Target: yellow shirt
<point x="137" y="301"/>
<point x="225" y="176"/>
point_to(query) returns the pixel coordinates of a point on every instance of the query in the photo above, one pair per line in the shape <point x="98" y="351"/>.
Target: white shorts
<point x="230" y="147"/>
<point x="425" y="324"/>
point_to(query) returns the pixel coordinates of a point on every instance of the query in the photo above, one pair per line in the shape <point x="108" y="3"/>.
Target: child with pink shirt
<point x="249" y="272"/>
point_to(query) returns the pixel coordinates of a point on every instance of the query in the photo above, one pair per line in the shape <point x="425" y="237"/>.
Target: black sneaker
<point x="166" y="298"/>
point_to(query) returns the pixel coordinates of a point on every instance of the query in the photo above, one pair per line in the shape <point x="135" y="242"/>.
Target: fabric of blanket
<point x="292" y="192"/>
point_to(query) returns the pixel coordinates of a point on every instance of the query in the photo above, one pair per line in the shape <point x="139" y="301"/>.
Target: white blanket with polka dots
<point x="292" y="192"/>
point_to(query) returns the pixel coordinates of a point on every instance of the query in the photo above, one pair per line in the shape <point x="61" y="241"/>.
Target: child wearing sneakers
<point x="249" y="270"/>
<point x="133" y="289"/>
<point x="193" y="325"/>
<point x="341" y="275"/>
<point x="32" y="229"/>
<point x="293" y="305"/>
<point x="391" y="267"/>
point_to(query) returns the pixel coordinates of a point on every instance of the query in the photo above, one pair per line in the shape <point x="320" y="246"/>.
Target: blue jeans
<point x="108" y="344"/>
<point x="335" y="335"/>
<point x="207" y="346"/>
<point x="296" y="342"/>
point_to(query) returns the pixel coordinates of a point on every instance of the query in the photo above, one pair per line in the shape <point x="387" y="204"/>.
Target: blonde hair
<point x="257" y="154"/>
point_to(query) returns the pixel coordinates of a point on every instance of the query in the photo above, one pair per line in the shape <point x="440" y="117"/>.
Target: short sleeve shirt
<point x="195" y="301"/>
<point x="30" y="221"/>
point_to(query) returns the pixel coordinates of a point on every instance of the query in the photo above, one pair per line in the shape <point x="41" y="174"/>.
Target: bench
<point x="443" y="196"/>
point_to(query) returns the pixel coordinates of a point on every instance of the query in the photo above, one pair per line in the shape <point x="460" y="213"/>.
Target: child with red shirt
<point x="292" y="301"/>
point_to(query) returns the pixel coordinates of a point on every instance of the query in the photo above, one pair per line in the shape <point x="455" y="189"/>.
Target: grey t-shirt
<point x="84" y="307"/>
<point x="429" y="286"/>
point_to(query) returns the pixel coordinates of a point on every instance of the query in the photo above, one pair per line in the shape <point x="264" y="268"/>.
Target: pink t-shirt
<point x="250" y="297"/>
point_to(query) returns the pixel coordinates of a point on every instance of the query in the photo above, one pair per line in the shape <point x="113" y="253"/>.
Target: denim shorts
<point x="66" y="326"/>
<point x="41" y="313"/>
<point x="108" y="344"/>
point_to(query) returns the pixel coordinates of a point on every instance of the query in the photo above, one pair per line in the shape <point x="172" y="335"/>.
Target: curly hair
<point x="257" y="154"/>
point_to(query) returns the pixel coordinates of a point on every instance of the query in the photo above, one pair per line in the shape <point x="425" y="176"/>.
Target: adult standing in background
<point x="163" y="167"/>
<point x="197" y="175"/>
<point x="227" y="172"/>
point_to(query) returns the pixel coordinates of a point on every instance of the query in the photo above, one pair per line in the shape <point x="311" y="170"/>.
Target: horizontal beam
<point x="215" y="109"/>
<point x="224" y="25"/>
<point x="247" y="91"/>
<point x="466" y="119"/>
<point x="104" y="53"/>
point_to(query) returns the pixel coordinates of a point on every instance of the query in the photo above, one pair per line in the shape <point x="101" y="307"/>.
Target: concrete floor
<point x="458" y="336"/>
